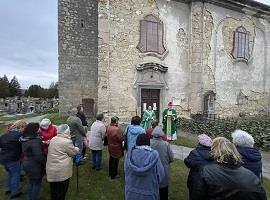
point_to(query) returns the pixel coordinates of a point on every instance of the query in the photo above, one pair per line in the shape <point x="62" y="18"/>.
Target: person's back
<point x="197" y="158"/>
<point x="165" y="152"/>
<point x="115" y="139"/>
<point x="10" y="146"/>
<point x="252" y="159"/>
<point x="132" y="133"/>
<point x="231" y="182"/>
<point x="226" y="178"/>
<point x="96" y="136"/>
<point x="143" y="172"/>
<point x="76" y="128"/>
<point x="250" y="155"/>
<point x="60" y="154"/>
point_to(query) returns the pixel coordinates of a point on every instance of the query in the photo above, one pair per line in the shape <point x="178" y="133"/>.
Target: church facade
<point x="119" y="57"/>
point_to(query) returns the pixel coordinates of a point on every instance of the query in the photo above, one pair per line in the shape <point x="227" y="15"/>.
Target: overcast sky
<point x="28" y="41"/>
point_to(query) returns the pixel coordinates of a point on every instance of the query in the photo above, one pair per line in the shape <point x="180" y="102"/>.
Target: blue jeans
<point x="14" y="172"/>
<point x="96" y="159"/>
<point x="34" y="188"/>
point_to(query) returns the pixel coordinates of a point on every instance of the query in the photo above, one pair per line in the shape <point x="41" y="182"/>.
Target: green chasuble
<point x="148" y="117"/>
<point x="169" y="123"/>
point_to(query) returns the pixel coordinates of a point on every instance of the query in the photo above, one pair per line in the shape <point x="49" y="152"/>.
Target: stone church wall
<point x="77" y="37"/>
<point x="118" y="55"/>
<point x="239" y="86"/>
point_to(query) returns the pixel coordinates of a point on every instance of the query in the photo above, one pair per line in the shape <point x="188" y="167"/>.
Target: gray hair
<point x="100" y="116"/>
<point x="73" y="111"/>
<point x="242" y="138"/>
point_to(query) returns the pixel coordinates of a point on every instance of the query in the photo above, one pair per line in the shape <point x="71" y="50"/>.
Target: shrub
<point x="257" y="126"/>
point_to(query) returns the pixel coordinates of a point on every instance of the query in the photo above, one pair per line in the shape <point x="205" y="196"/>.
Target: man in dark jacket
<point x="10" y="154"/>
<point x="197" y="158"/>
<point x="226" y="179"/>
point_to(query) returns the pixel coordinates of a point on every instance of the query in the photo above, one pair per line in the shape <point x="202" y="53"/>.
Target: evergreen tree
<point x="34" y="91"/>
<point x="14" y="87"/>
<point x="4" y="87"/>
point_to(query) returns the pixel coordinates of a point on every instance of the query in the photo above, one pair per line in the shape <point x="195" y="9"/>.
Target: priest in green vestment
<point x="148" y="116"/>
<point x="169" y="122"/>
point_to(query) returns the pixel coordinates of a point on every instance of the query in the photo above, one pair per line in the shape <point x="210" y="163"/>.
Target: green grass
<point x="187" y="142"/>
<point x="2" y="128"/>
<point x="56" y="118"/>
<point x="98" y="186"/>
<point x="18" y="117"/>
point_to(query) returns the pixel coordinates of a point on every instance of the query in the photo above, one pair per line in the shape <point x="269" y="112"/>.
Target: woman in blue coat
<point x="197" y="158"/>
<point x="143" y="171"/>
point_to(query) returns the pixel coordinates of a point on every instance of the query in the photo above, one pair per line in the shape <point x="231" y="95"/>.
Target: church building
<point x="206" y="56"/>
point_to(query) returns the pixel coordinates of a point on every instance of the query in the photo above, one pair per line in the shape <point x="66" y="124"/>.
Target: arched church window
<point x="241" y="44"/>
<point x="209" y="102"/>
<point x="151" y="35"/>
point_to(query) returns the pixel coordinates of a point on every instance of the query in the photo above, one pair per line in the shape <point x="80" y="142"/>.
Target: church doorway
<point x="150" y="97"/>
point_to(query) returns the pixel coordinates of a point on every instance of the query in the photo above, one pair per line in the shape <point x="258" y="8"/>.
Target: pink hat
<point x="204" y="140"/>
<point x="170" y="104"/>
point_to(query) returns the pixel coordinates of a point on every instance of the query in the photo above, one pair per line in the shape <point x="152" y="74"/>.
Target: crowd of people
<point x="219" y="168"/>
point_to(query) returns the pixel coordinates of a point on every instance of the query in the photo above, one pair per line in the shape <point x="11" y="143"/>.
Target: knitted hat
<point x="204" y="140"/>
<point x="45" y="123"/>
<point x="158" y="132"/>
<point x="63" y="129"/>
<point x="242" y="138"/>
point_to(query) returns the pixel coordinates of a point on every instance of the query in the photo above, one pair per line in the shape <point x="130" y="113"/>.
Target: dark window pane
<point x="241" y="43"/>
<point x="151" y="35"/>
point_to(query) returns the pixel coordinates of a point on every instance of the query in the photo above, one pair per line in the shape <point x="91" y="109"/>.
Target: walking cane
<point x="77" y="172"/>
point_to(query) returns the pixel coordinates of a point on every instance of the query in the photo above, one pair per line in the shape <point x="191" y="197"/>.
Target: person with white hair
<point x="48" y="131"/>
<point x="250" y="155"/>
<point x="59" y="162"/>
<point x="226" y="179"/>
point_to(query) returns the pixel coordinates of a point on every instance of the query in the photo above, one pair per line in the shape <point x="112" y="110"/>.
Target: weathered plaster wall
<point x="118" y="54"/>
<point x="77" y="52"/>
<point x="230" y="76"/>
<point x="175" y="16"/>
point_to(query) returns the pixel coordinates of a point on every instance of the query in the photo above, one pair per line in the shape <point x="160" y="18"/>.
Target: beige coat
<point x="96" y="135"/>
<point x="59" y="160"/>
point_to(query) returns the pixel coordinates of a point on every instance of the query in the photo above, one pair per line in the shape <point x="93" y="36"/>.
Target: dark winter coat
<point x="115" y="139"/>
<point x="251" y="158"/>
<point x="82" y="116"/>
<point x="227" y="182"/>
<point x="34" y="161"/>
<point x="197" y="158"/>
<point x="10" y="147"/>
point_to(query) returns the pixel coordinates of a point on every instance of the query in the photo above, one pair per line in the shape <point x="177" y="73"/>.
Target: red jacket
<point x="47" y="135"/>
<point x="115" y="139"/>
<point x="149" y="133"/>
